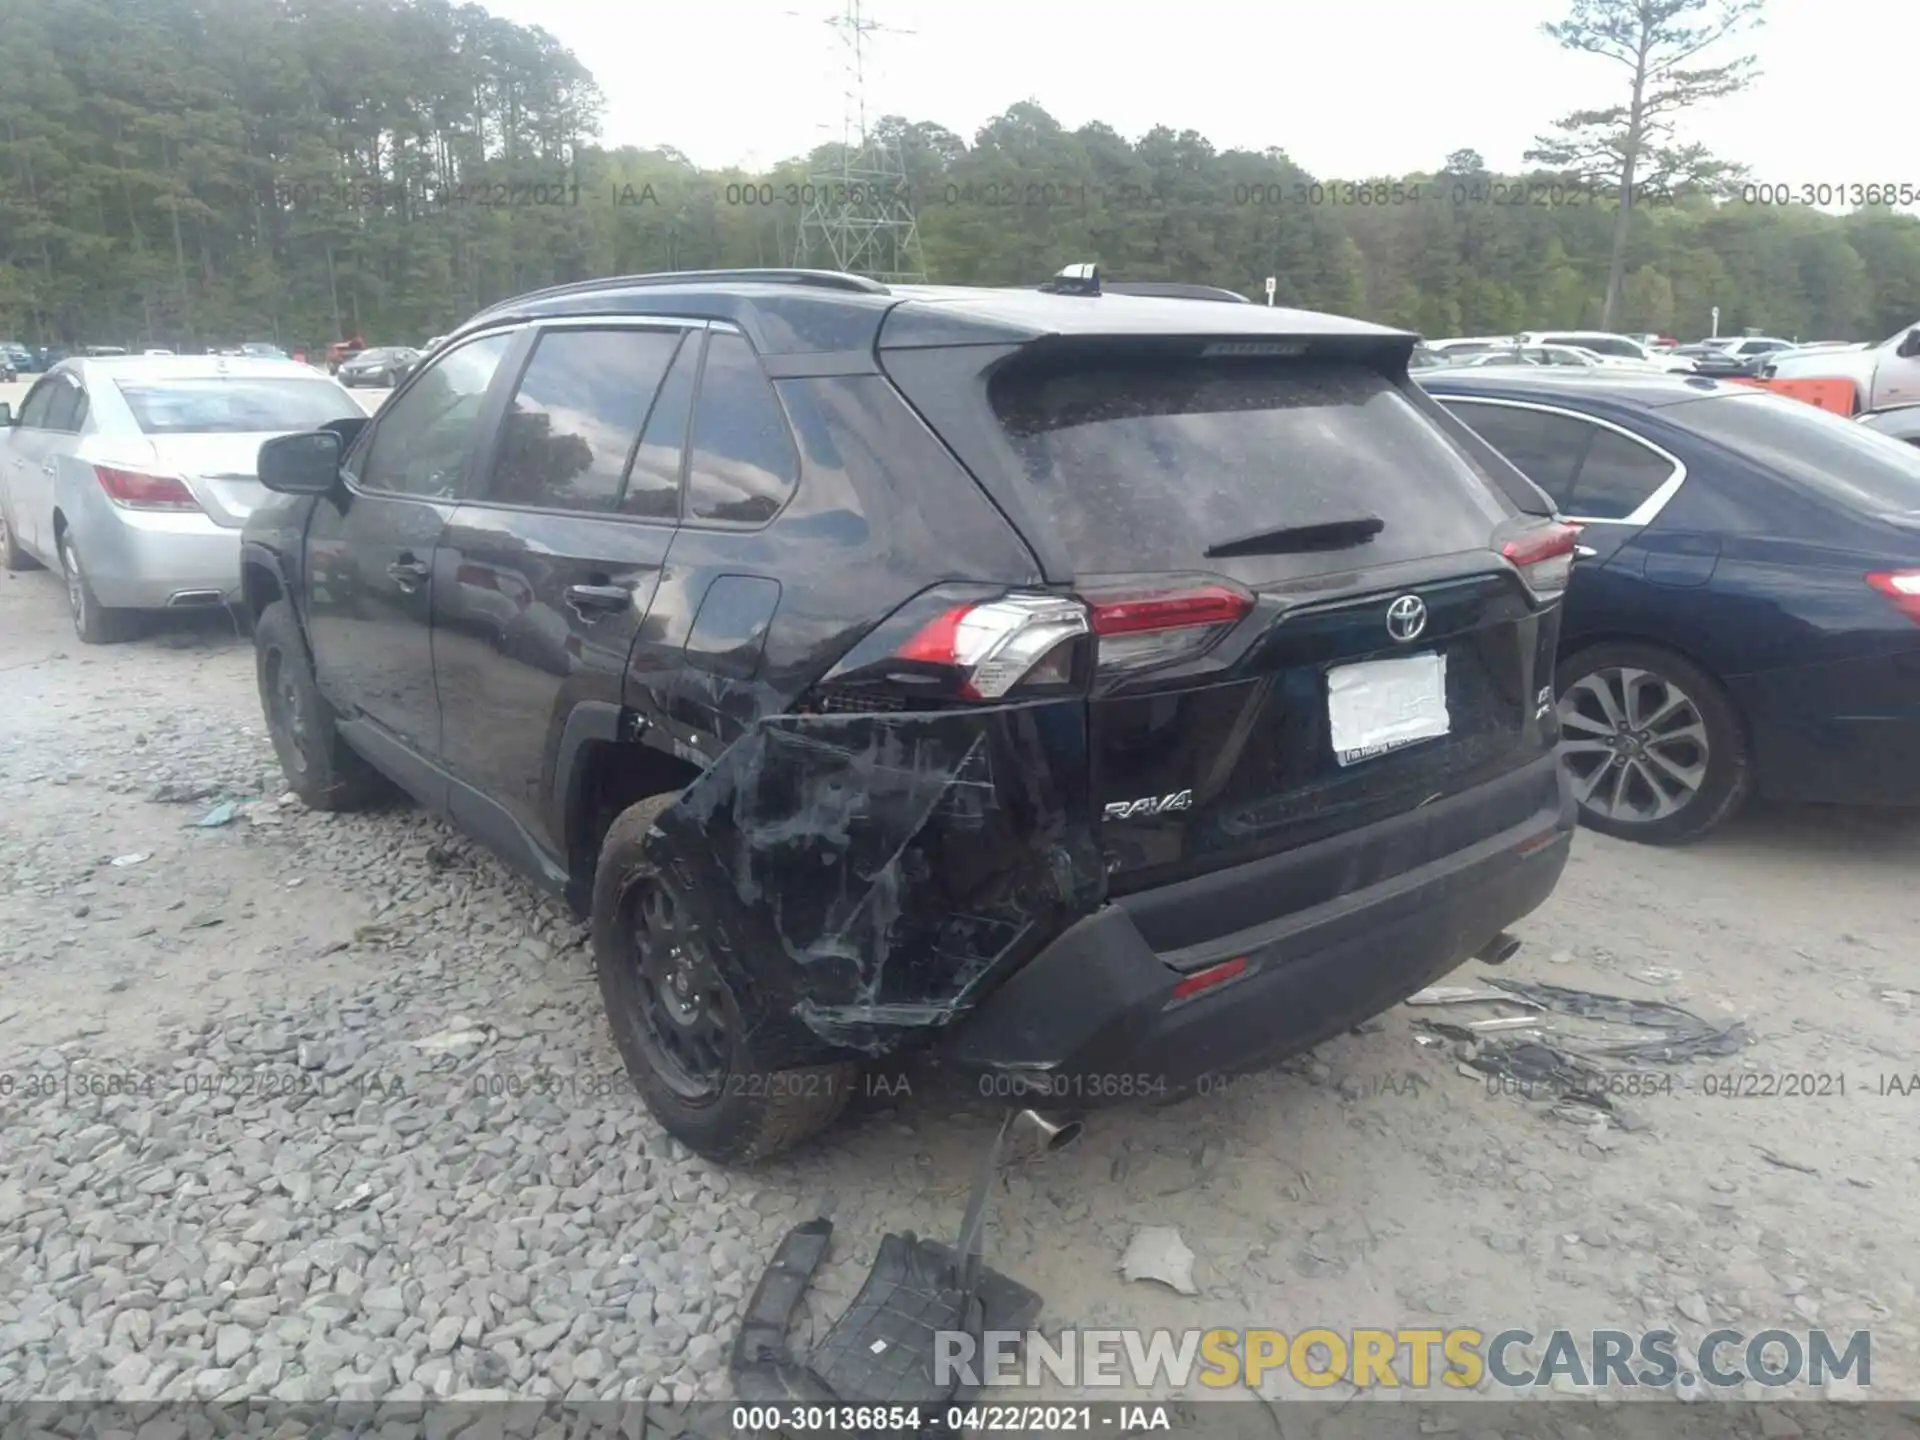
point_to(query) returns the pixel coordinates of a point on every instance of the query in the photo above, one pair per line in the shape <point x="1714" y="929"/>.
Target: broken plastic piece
<point x="120" y="862"/>
<point x="883" y="1350"/>
<point x="1158" y="1253"/>
<point x="221" y="814"/>
<point x="1687" y="1036"/>
<point x="1466" y="995"/>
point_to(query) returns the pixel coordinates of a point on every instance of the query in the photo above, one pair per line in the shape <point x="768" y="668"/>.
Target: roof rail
<point x="1174" y="290"/>
<point x="821" y="279"/>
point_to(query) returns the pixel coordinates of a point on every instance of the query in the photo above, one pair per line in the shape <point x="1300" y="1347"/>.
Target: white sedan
<point x="133" y="476"/>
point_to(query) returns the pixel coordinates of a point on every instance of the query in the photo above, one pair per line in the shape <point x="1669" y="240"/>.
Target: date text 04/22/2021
<point x="796" y="1419"/>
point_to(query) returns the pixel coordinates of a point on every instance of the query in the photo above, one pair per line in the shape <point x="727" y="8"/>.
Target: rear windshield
<point x="1841" y="459"/>
<point x="1142" y="466"/>
<point x="236" y="406"/>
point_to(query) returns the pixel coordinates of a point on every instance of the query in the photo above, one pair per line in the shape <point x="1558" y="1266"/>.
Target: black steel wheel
<point x="681" y="1028"/>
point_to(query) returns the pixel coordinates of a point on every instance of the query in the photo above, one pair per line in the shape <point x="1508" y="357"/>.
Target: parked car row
<point x="1287" y="665"/>
<point x="1592" y="348"/>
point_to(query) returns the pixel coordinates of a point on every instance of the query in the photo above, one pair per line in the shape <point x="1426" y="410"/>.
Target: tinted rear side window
<point x="744" y="464"/>
<point x="1840" y="459"/>
<point x="1142" y="466"/>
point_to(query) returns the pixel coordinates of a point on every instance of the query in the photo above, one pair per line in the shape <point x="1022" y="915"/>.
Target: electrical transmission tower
<point x="859" y="217"/>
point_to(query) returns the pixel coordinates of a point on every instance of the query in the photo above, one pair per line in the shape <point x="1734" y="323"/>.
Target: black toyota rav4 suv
<point x="1103" y="690"/>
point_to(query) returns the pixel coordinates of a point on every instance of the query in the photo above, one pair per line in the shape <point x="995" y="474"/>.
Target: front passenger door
<point x="370" y="553"/>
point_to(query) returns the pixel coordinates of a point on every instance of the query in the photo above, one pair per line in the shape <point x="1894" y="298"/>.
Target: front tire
<point x="678" y="1025"/>
<point x="93" y="622"/>
<point x="320" y="767"/>
<point x="1655" y="748"/>
<point x="12" y="556"/>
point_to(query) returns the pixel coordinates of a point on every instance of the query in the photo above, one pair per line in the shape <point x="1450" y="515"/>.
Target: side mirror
<point x="306" y="464"/>
<point x="1910" y="345"/>
<point x="6" y="415"/>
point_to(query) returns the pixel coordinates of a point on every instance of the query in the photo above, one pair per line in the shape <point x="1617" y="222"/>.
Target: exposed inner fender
<point x="876" y="874"/>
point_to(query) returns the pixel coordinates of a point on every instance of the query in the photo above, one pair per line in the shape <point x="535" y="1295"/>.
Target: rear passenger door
<point x="545" y="574"/>
<point x="697" y="675"/>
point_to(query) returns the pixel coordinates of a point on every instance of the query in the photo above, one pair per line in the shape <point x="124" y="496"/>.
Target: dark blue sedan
<point x="1744" y="614"/>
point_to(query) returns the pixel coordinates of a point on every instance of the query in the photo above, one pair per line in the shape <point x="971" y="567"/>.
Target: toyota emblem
<point x="1406" y="618"/>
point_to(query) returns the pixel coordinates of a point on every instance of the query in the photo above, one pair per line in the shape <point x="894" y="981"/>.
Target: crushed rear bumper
<point x="1093" y="1020"/>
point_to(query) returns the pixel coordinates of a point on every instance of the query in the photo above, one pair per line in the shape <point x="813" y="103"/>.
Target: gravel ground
<point x="312" y="1106"/>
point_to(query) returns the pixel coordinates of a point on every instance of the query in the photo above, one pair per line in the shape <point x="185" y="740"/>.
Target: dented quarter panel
<point x="881" y="512"/>
<point x="881" y="872"/>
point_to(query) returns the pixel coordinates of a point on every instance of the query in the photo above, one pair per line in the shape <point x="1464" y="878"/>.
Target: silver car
<point x="132" y="477"/>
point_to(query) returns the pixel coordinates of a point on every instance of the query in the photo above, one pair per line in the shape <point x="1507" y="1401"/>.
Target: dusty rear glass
<point x="1144" y="465"/>
<point x="235" y="407"/>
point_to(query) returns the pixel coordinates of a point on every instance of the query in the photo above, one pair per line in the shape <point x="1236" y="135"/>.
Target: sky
<point x="1348" y="89"/>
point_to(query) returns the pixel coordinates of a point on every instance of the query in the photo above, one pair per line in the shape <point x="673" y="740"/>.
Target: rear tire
<point x="648" y="929"/>
<point x="93" y="622"/>
<point x="1655" y="748"/>
<point x="320" y="767"/>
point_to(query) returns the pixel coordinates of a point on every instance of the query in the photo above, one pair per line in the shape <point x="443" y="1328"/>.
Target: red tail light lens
<point x="1160" y="624"/>
<point x="1170" y="610"/>
<point x="1900" y="586"/>
<point x="1017" y="640"/>
<point x="1544" y="557"/>
<point x="135" y="490"/>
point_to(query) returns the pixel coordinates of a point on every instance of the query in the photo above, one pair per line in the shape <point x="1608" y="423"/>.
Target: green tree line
<point x="188" y="172"/>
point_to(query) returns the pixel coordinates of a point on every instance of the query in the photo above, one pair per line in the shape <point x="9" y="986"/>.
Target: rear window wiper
<point x="1293" y="539"/>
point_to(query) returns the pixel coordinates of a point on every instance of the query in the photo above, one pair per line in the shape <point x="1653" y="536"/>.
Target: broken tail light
<point x="137" y="490"/>
<point x="1544" y="558"/>
<point x="1900" y="586"/>
<point x="1027" y="645"/>
<point x="994" y="647"/>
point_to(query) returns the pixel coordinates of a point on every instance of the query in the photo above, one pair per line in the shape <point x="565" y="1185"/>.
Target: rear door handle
<point x="408" y="573"/>
<point x="599" y="597"/>
<point x="49" y="469"/>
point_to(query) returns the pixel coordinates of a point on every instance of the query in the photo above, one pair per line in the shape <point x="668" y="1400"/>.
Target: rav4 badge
<point x="1150" y="805"/>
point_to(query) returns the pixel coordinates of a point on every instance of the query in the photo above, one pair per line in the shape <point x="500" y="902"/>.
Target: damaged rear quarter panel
<point x="873" y="875"/>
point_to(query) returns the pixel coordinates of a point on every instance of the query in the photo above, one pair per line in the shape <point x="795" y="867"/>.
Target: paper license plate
<point x="1378" y="706"/>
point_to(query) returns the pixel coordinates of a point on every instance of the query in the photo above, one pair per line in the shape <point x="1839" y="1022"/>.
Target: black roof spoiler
<point x="1084" y="279"/>
<point x="1173" y="290"/>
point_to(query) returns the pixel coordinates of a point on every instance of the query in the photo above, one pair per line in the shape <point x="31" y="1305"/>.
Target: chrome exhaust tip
<point x="1039" y="1132"/>
<point x="1499" y="950"/>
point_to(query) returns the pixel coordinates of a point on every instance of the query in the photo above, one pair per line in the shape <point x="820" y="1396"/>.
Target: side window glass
<point x="576" y="415"/>
<point x="420" y="442"/>
<point x="33" y="414"/>
<point x="743" y="465"/>
<point x="653" y="484"/>
<point x="63" y="407"/>
<point x="1616" y="478"/>
<point x="1547" y="449"/>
